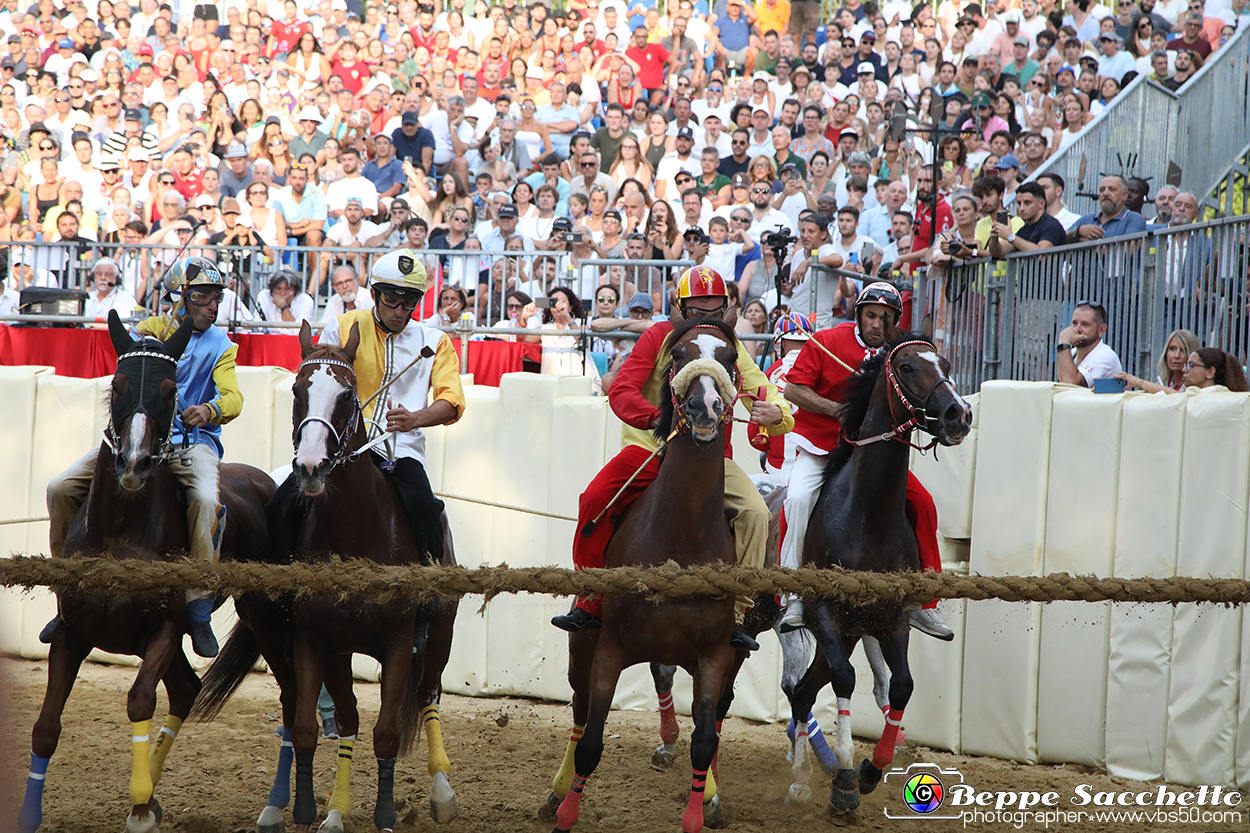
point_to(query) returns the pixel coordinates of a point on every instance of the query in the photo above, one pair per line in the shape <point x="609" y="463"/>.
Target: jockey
<point x="208" y="393"/>
<point x="701" y="293"/>
<point x="811" y="385"/>
<point x="791" y="331"/>
<point x="427" y="393"/>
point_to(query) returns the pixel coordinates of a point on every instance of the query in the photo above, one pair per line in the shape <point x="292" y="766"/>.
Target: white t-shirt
<point x="342" y="235"/>
<point x="119" y="299"/>
<point x="334" y="307"/>
<point x="338" y="193"/>
<point x="301" y="308"/>
<point x="1101" y="363"/>
<point x="720" y="256"/>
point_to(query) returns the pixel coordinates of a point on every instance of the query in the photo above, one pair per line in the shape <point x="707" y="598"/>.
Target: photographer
<point x="954" y="244"/>
<point x="821" y="292"/>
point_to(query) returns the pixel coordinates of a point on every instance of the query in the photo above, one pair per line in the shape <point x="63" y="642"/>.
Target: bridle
<point x="165" y="449"/>
<point x="680" y="422"/>
<point x="341" y="454"/>
<point x="918" y="415"/>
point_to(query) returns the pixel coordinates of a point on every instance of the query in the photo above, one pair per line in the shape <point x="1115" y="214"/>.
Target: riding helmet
<point x="794" y="326"/>
<point x="190" y="271"/>
<point x="880" y="293"/>
<point x="399" y="272"/>
<point x="701" y="282"/>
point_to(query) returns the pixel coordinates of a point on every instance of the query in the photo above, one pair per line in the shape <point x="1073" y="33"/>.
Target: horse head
<point x="326" y="411"/>
<point x="702" y="379"/>
<point x="143" y="399"/>
<point x="920" y="384"/>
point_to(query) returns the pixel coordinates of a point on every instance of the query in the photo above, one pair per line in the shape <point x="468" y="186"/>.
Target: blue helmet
<point x="191" y="271"/>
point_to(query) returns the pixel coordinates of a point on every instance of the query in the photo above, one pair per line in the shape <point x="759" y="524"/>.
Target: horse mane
<point x="854" y="394"/>
<point x="665" y="426"/>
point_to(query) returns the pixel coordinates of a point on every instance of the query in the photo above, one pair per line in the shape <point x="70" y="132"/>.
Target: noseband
<point x="340" y="453"/>
<point x="165" y="449"/>
<point x="919" y="416"/>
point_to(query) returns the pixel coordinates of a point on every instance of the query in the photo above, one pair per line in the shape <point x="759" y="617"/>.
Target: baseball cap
<point x="789" y="166"/>
<point x="356" y="200"/>
<point x="695" y="232"/>
<point x="8" y="62"/>
<point x="338" y="5"/>
<point x="133" y="115"/>
<point x="508" y="210"/>
<point x="89" y="76"/>
<point x="641" y="300"/>
<point x="14" y="39"/>
<point x="235" y="151"/>
<point x="562" y="224"/>
<point x="1021" y="40"/>
<point x="1011" y="16"/>
<point x="230" y="206"/>
<point x="309" y="114"/>
<point x="145" y="49"/>
<point x="972" y="60"/>
<point x="400" y="203"/>
<point x="981" y="100"/>
<point x="869" y="35"/>
<point x="1008" y="161"/>
<point x="107" y="163"/>
<point x="203" y="201"/>
<point x="534" y="72"/>
<point x="741" y="180"/>
<point x="409" y="117"/>
<point x="139" y="154"/>
<point x="865" y="67"/>
<point x="613" y="213"/>
<point x="685" y="133"/>
<point x="65" y="43"/>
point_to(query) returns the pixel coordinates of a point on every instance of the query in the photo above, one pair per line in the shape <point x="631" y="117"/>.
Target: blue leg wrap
<point x="31" y="814"/>
<point x="280" y="792"/>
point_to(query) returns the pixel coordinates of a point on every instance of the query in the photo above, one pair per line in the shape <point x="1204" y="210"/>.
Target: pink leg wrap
<point x="900" y="740"/>
<point x="692" y="819"/>
<point x="884" y="753"/>
<point x="566" y="815"/>
<point x="669" y="730"/>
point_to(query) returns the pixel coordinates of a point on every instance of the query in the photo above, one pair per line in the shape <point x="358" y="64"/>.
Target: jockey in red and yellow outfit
<point x="811" y="384"/>
<point x="635" y="397"/>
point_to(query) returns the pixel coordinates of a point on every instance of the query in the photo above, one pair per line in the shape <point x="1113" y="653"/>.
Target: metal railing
<point x="1201" y="129"/>
<point x="1001" y="319"/>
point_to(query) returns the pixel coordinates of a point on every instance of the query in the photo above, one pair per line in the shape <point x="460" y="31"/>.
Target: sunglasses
<point x="182" y="231"/>
<point x="605" y="299"/>
<point x="715" y="89"/>
<point x="202" y="297"/>
<point x="742" y="219"/>
<point x="587" y="165"/>
<point x="459" y="218"/>
<point x="47" y="147"/>
<point x="395" y="301"/>
<point x="760" y="191"/>
<point x="165" y="181"/>
<point x="681" y="181"/>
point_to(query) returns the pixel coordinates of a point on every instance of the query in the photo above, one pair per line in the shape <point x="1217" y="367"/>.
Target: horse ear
<point x="305" y="339"/>
<point x="178" y="341"/>
<point x="926" y="326"/>
<point x="353" y="341"/>
<point x="117" y="332"/>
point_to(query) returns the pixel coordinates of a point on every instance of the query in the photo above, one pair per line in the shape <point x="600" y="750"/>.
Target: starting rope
<point x="356" y="577"/>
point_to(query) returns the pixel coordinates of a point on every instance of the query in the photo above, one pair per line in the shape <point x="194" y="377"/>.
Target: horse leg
<point x="894" y="652"/>
<point x="802" y="694"/>
<point x="713" y="813"/>
<point x="140" y="706"/>
<point x="339" y="683"/>
<point x="64" y="658"/>
<point x="273" y="650"/>
<point x="880" y="680"/>
<point x="796" y="656"/>
<point x="665" y="755"/>
<point x="604" y="672"/>
<point x="837" y="653"/>
<point x="309" y="673"/>
<point x="182" y="685"/>
<point x="443" y="804"/>
<point x="396" y="664"/>
<point x="582" y="646"/>
<point x="709" y="680"/>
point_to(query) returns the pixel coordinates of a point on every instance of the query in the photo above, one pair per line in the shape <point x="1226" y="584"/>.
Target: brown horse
<point x="342" y="504"/>
<point x="860" y="523"/>
<point x="136" y="509"/>
<point x="681" y="517"/>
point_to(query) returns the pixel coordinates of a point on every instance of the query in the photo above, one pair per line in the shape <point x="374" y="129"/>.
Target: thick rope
<point x="342" y="578"/>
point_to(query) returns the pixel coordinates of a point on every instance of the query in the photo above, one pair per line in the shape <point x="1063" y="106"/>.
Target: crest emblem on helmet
<point x="406" y="264"/>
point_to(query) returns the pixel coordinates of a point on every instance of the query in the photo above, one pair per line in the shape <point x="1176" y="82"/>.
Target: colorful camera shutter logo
<point x="923" y="793"/>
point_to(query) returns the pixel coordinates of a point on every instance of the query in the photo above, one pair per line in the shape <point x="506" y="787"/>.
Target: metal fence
<point x="1001" y="319"/>
<point x="1201" y="129"/>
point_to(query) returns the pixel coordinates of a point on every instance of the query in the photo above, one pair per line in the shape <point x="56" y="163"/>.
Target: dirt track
<point x="219" y="774"/>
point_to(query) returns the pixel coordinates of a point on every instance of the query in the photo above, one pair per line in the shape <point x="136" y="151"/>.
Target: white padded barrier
<point x="18" y="391"/>
<point x="1152" y="433"/>
<point x="1080" y="539"/>
<point x="1206" y="640"/>
<point x="1008" y="534"/>
<point x="949" y="474"/>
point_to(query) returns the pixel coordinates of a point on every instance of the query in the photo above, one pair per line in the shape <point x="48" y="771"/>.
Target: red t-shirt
<point x="596" y="46"/>
<point x="285" y="36"/>
<point x="922" y="229"/>
<point x="776" y="444"/>
<point x="421" y="39"/>
<point x="651" y="61"/>
<point x="191" y="185"/>
<point x="818" y="433"/>
<point x="354" y="77"/>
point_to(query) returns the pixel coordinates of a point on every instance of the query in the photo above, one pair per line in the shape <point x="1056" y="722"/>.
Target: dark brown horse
<point x="338" y="502"/>
<point x="680" y="517"/>
<point x="136" y="509"/>
<point x="859" y="523"/>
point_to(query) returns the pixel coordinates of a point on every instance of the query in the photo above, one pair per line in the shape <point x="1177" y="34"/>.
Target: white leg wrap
<point x="801" y="770"/>
<point x="880" y="672"/>
<point x="844" y="748"/>
<point x="440" y="788"/>
<point x="270" y="817"/>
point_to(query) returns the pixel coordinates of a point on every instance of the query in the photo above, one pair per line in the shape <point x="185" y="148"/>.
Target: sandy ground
<point x="218" y="775"/>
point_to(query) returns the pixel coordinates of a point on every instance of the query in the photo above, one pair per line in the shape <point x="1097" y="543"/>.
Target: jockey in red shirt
<point x="634" y="395"/>
<point x="811" y="384"/>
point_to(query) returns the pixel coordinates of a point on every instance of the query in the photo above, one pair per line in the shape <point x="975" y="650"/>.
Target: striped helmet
<point x="794" y="326"/>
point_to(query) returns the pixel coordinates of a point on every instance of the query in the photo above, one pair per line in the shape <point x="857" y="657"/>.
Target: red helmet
<point x="701" y="282"/>
<point x="880" y="293"/>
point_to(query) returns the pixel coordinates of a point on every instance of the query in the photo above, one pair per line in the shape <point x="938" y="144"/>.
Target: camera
<point x="571" y="237"/>
<point x="542" y="302"/>
<point x="780" y="239"/>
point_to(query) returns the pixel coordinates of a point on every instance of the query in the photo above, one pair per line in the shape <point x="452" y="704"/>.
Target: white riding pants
<point x="805" y="479"/>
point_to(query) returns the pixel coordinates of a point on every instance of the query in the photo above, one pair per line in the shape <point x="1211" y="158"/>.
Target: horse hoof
<point x="443" y="812"/>
<point x="270" y="821"/>
<point x="844" y="796"/>
<point x="154" y="807"/>
<point x="714" y="813"/>
<point x="798" y="795"/>
<point x="147" y="824"/>
<point x="869" y="776"/>
<point x="664" y="756"/>
<point x="547" y="812"/>
<point x="333" y="823"/>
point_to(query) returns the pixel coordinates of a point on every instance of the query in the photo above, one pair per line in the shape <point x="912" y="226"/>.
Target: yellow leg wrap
<point x="564" y="778"/>
<point x="340" y="799"/>
<point x="709" y="791"/>
<point x="164" y="742"/>
<point x="439" y="762"/>
<point x="140" y="776"/>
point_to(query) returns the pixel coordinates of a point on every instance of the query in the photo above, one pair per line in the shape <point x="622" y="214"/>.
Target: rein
<point x="919" y="414"/>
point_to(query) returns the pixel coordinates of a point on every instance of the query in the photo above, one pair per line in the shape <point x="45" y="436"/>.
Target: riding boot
<point x="45" y="635"/>
<point x="930" y="622"/>
<point x="577" y="620"/>
<point x="742" y="640"/>
<point x="200" y="627"/>
<point x="792" y="616"/>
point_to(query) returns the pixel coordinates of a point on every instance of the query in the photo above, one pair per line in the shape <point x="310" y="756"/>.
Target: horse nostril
<point x="310" y="469"/>
<point x="954" y="415"/>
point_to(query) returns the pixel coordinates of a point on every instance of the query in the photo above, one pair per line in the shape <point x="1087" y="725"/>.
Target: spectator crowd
<point x="789" y="149"/>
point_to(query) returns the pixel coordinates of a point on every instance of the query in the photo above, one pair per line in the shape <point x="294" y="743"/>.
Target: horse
<point x="136" y="509"/>
<point x="681" y="517"/>
<point x="859" y="523"/>
<point x="338" y="501"/>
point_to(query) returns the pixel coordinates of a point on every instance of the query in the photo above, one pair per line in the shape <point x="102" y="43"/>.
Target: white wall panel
<point x="949" y="474"/>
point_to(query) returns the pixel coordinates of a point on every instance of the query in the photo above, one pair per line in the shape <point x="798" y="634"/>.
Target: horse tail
<point x="410" y="706"/>
<point x="223" y="678"/>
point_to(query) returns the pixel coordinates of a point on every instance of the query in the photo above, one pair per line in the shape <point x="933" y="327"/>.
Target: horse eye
<point x="903" y="368"/>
